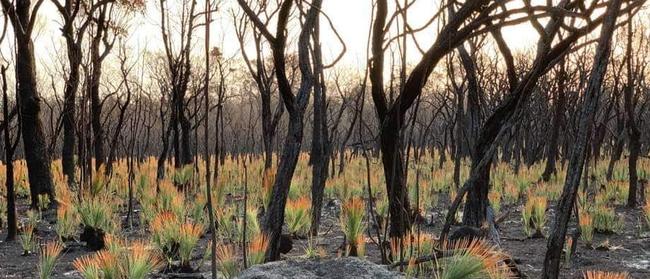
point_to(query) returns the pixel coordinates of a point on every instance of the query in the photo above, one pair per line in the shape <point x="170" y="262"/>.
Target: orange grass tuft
<point x="605" y="275"/>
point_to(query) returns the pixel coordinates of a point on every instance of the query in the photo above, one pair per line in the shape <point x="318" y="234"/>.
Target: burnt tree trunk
<point x="274" y="218"/>
<point x="185" y="127"/>
<point x="619" y="144"/>
<point x="12" y="225"/>
<point x="162" y="158"/>
<point x="633" y="132"/>
<point x="97" y="58"/>
<point x="579" y="152"/>
<point x="29" y="102"/>
<point x="69" y="96"/>
<point x="460" y="112"/>
<point x="393" y="162"/>
<point x="558" y="116"/>
<point x="178" y="73"/>
<point x="473" y="112"/>
<point x="391" y="115"/>
<point x="123" y="107"/>
<point x="320" y="137"/>
<point x="295" y="105"/>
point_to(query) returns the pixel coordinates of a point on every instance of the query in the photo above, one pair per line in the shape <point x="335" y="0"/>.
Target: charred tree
<point x="73" y="35"/>
<point x="179" y="70"/>
<point x="559" y="103"/>
<point x="264" y="82"/>
<point x="10" y="148"/>
<point x="579" y="152"/>
<point x="22" y="17"/>
<point x="295" y="105"/>
<point x="100" y="38"/>
<point x="633" y="132"/>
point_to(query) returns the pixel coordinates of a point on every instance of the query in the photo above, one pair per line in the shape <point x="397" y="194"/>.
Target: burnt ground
<point x="630" y="248"/>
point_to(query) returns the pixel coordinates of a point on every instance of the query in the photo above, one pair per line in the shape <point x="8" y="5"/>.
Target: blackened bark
<point x="186" y="150"/>
<point x="558" y="117"/>
<point x="320" y="137"/>
<point x="635" y="146"/>
<point x="319" y="176"/>
<point x="473" y="92"/>
<point x="162" y="158"/>
<point x="619" y="145"/>
<point x="97" y="58"/>
<point x="69" y="95"/>
<point x="601" y="131"/>
<point x="179" y="70"/>
<point x="460" y="130"/>
<point x="218" y="123"/>
<point x="579" y="152"/>
<point x="393" y="162"/>
<point x="391" y="116"/>
<point x="120" y="120"/>
<point x="391" y="126"/>
<point x="599" y="135"/>
<point x="12" y="225"/>
<point x="274" y="218"/>
<point x="74" y="39"/>
<point x="295" y="104"/>
<point x="632" y="130"/>
<point x="35" y="147"/>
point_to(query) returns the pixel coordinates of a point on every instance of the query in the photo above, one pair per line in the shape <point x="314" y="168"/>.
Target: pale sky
<point x="350" y="17"/>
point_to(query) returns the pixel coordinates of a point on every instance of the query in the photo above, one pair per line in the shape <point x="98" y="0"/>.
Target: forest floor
<point x="629" y="250"/>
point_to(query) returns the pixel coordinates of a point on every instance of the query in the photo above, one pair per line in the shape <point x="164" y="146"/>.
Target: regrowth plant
<point x="605" y="220"/>
<point x="297" y="216"/>
<point x="353" y="226"/>
<point x="67" y="222"/>
<point x="256" y="249"/>
<point x="188" y="238"/>
<point x="28" y="240"/>
<point x="120" y="260"/>
<point x="49" y="254"/>
<point x="87" y="266"/>
<point x="97" y="219"/>
<point x="534" y="216"/>
<point x="227" y="260"/>
<point x="473" y="259"/>
<point x="605" y="275"/>
<point x="586" y="228"/>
